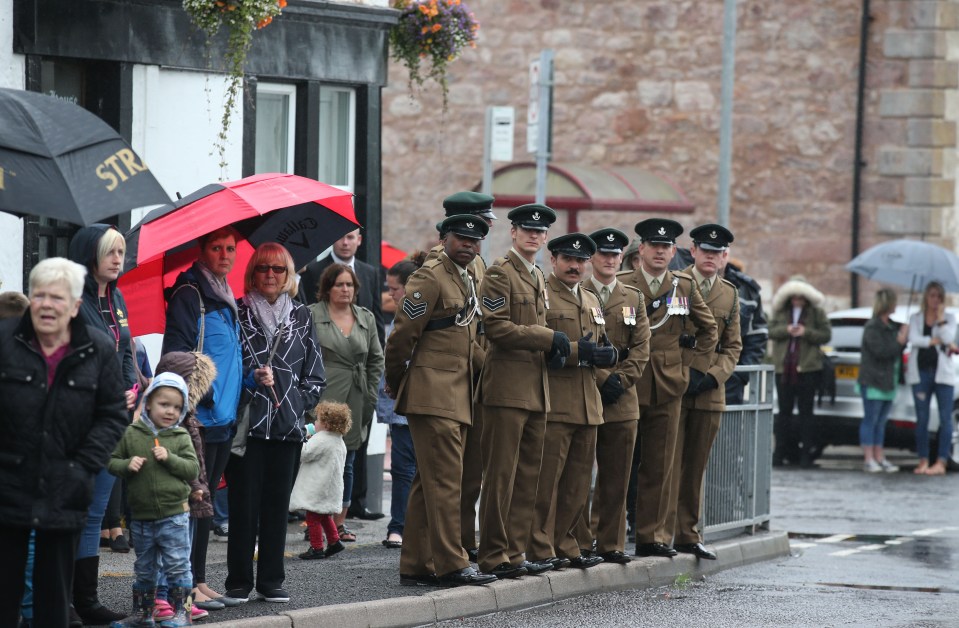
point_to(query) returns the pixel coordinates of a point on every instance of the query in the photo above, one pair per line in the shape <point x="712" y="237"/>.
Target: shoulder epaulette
<point x="624" y="273"/>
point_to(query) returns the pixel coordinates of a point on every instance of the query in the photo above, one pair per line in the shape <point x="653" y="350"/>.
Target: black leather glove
<point x="605" y="354"/>
<point x="556" y="362"/>
<point x="623" y="354"/>
<point x="560" y="347"/>
<point x="611" y="390"/>
<point x="709" y="383"/>
<point x="586" y="347"/>
<point x="695" y="381"/>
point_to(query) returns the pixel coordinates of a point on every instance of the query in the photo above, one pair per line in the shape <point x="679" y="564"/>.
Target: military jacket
<point x="667" y="376"/>
<point x="438" y="380"/>
<point x="723" y="302"/>
<point x="514" y="318"/>
<point x="627" y="327"/>
<point x="573" y="389"/>
<point x="477" y="269"/>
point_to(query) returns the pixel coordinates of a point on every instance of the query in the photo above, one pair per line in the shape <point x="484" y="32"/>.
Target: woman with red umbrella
<point x="284" y="374"/>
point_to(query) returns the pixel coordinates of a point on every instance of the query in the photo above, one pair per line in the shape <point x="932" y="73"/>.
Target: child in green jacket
<point x="157" y="459"/>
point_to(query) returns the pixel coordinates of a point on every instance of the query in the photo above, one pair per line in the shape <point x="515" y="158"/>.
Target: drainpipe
<point x="858" y="163"/>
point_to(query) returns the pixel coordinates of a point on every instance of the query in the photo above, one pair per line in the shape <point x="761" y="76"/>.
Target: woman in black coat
<point x="63" y="412"/>
<point x="100" y="248"/>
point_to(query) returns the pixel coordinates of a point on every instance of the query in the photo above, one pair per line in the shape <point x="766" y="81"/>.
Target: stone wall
<point x="638" y="83"/>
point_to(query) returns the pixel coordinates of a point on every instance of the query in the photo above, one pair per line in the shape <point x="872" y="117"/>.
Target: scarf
<point x="270" y="316"/>
<point x="220" y="287"/>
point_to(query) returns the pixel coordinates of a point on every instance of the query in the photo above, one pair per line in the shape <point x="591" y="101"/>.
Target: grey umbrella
<point x="908" y="263"/>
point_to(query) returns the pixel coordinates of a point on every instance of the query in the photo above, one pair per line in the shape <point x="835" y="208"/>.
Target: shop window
<point x="337" y="141"/>
<point x="275" y="127"/>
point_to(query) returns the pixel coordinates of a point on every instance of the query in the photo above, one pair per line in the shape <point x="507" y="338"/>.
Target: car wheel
<point x="953" y="464"/>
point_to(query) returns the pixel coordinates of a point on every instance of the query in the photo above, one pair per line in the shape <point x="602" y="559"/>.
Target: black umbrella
<point x="60" y="161"/>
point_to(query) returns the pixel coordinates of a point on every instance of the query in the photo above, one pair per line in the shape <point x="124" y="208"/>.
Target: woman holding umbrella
<point x="284" y="372"/>
<point x="932" y="334"/>
<point x="201" y="316"/>
<point x="353" y="358"/>
<point x="100" y="249"/>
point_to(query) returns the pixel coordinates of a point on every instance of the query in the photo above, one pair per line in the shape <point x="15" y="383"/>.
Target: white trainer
<point x="871" y="466"/>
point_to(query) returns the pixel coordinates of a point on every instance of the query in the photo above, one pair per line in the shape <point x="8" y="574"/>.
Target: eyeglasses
<point x="264" y="268"/>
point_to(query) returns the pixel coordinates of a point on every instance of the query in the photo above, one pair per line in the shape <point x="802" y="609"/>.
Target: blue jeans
<point x="167" y="539"/>
<point x="348" y="479"/>
<point x="872" y="430"/>
<point x="402" y="470"/>
<point x="89" y="544"/>
<point x="163" y="585"/>
<point x="221" y="509"/>
<point x="26" y="608"/>
<point x="922" y="395"/>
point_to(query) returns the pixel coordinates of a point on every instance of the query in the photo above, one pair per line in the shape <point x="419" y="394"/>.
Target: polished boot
<point x="182" y="602"/>
<point x="85" y="600"/>
<point x="696" y="549"/>
<point x="655" y="549"/>
<point x="142" y="615"/>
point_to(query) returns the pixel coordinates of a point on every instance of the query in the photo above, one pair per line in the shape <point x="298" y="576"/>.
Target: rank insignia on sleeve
<point x="414" y="310"/>
<point x="416" y="295"/>
<point x="493" y="304"/>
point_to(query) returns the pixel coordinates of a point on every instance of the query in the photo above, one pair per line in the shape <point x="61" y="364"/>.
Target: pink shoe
<point x="162" y="610"/>
<point x="198" y="613"/>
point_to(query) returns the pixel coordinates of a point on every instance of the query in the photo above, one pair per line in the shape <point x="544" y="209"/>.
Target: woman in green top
<point x="882" y="344"/>
<point x="353" y="358"/>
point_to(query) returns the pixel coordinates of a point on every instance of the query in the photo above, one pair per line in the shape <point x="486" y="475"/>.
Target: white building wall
<point x="11" y="228"/>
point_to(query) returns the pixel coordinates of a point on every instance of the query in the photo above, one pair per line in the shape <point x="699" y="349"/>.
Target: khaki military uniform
<point x="472" y="451"/>
<point x="515" y="394"/>
<point x="435" y="393"/>
<point x="570" y="443"/>
<point x="700" y="417"/>
<point x="627" y="327"/>
<point x="660" y="390"/>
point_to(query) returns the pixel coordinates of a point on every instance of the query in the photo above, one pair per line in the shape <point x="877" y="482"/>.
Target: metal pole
<point x="545" y="122"/>
<point x="726" y="114"/>
<point x="487" y="170"/>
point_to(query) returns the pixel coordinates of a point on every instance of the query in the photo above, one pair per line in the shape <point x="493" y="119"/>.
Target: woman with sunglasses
<point x="284" y="378"/>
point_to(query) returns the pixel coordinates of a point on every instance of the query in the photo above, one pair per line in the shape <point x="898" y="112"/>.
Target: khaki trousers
<point x="432" y="544"/>
<point x="564" y="480"/>
<point x="512" y="452"/>
<point x="694" y="439"/>
<point x="657" y="445"/>
<point x="614" y="454"/>
<point x="472" y="478"/>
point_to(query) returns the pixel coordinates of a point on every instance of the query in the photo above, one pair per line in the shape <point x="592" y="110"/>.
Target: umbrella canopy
<point x="60" y="161"/>
<point x="908" y="263"/>
<point x="390" y="255"/>
<point x="303" y="215"/>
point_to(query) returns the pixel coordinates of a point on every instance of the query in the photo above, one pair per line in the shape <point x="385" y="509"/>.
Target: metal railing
<point x="739" y="472"/>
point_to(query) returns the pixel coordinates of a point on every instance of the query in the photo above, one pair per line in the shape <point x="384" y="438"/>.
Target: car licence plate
<point x="847" y="371"/>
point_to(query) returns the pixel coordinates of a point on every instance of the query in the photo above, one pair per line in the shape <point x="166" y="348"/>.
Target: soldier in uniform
<point x="515" y="393"/>
<point x="702" y="408"/>
<point x="627" y="327"/>
<point x="575" y="408"/>
<point x="480" y="205"/>
<point x="430" y="360"/>
<point x="678" y="319"/>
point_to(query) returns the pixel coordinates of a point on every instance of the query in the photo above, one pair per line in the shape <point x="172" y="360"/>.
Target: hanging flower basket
<point x="242" y="18"/>
<point x="430" y="35"/>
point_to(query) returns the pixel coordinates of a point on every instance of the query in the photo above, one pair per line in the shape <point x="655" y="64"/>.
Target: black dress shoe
<point x="559" y="563"/>
<point x="473" y="554"/>
<point x="414" y="580"/>
<point x="655" y="549"/>
<point x="585" y="562"/>
<point x="365" y="515"/>
<point x="504" y="571"/>
<point x="697" y="549"/>
<point x="534" y="568"/>
<point x="616" y="556"/>
<point x="465" y="576"/>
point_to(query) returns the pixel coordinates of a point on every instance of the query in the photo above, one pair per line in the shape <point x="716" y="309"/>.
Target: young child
<point x="319" y="484"/>
<point x="157" y="459"/>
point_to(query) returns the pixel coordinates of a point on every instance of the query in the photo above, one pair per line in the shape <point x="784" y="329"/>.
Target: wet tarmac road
<point x="866" y="550"/>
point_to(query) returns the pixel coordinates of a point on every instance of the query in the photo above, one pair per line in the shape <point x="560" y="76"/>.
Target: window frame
<point x="290" y="91"/>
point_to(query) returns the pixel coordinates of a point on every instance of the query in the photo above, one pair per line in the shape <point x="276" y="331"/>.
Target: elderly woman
<point x="100" y="249"/>
<point x="798" y="328"/>
<point x="284" y="375"/>
<point x="354" y="363"/>
<point x="63" y="412"/>
<point x="932" y="334"/>
<point x="882" y="344"/>
<point x="202" y="316"/>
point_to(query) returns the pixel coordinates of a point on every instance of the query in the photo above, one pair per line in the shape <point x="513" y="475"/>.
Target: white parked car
<point x="838" y="419"/>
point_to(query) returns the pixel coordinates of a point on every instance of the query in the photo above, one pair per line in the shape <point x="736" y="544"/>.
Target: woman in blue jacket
<point x="202" y="316"/>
